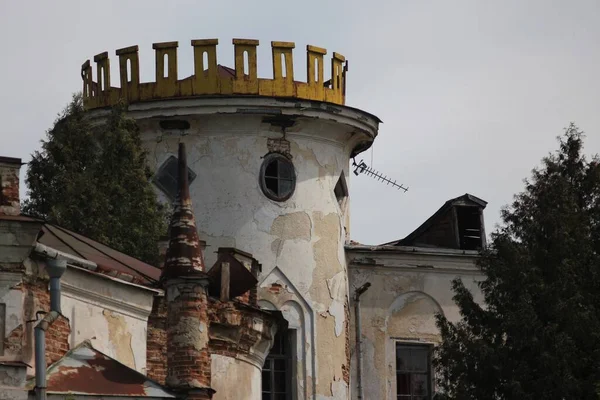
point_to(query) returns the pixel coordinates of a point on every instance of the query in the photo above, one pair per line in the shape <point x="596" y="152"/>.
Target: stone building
<point x="265" y="174"/>
<point x="268" y="170"/>
<point x="111" y="326"/>
<point x="410" y="281"/>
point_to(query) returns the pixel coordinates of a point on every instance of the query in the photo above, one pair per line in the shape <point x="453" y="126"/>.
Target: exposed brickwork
<point x="156" y="341"/>
<point x="57" y="335"/>
<point x="9" y="186"/>
<point x="13" y="343"/>
<point x="236" y="317"/>
<point x="275" y="288"/>
<point x="57" y="340"/>
<point x="244" y="298"/>
<point x="188" y="359"/>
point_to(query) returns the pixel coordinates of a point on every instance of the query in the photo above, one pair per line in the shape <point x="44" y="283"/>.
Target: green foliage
<point x="96" y="182"/>
<point x="539" y="335"/>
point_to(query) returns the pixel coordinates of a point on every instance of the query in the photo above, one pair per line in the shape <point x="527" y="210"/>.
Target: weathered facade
<point x="107" y="313"/>
<point x="410" y="282"/>
<point x="254" y="168"/>
<point x="208" y="340"/>
<point x="101" y="301"/>
<point x="268" y="167"/>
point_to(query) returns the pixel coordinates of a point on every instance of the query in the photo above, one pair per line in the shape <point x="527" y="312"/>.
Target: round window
<point x="277" y="177"/>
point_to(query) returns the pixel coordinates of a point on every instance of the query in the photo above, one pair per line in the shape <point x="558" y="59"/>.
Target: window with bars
<point x="413" y="372"/>
<point x="276" y="373"/>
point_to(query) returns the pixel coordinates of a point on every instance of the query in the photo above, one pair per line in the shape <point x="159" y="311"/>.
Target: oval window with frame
<point x="277" y="177"/>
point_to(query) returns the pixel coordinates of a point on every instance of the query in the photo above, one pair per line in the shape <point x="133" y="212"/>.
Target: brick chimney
<point x="9" y="185"/>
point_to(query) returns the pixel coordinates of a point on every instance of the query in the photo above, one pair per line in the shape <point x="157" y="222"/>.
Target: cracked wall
<point x="406" y="292"/>
<point x="299" y="242"/>
<point x="112" y="316"/>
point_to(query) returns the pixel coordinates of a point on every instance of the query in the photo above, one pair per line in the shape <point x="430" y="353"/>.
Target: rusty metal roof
<point x="110" y="261"/>
<point x="86" y="371"/>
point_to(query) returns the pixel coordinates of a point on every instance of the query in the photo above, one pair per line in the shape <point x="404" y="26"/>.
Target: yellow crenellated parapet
<point x="211" y="79"/>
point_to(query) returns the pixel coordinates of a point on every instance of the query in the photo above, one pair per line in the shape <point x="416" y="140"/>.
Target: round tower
<point x="268" y="170"/>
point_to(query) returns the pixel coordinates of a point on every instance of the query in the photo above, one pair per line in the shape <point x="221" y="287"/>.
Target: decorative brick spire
<point x="185" y="283"/>
<point x="184" y="255"/>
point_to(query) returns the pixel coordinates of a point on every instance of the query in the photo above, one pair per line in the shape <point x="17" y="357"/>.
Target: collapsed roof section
<point x="458" y="224"/>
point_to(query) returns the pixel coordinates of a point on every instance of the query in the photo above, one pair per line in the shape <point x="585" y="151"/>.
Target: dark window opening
<point x="413" y="372"/>
<point x="174" y="124"/>
<point x="166" y="177"/>
<point x="276" y="373"/>
<point x="277" y="177"/>
<point x="341" y="191"/>
<point x="470" y="231"/>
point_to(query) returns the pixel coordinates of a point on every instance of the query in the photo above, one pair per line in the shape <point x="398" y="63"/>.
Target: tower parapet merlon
<point x="212" y="79"/>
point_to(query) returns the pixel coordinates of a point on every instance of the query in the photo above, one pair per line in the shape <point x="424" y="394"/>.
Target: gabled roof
<point x="88" y="372"/>
<point x="464" y="200"/>
<point x="110" y="261"/>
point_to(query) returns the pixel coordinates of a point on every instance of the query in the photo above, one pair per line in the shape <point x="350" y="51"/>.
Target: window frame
<point x="429" y="370"/>
<point x="163" y="170"/>
<point x="268" y="159"/>
<point x="287" y="337"/>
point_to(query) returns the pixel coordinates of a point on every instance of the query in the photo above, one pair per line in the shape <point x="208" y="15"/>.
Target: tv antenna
<point x="362" y="168"/>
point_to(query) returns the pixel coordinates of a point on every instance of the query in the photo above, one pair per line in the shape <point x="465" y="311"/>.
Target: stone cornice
<point x="94" y="298"/>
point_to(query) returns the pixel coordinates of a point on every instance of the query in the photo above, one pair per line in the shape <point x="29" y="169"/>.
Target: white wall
<point x="235" y="379"/>
<point x="407" y="290"/>
<point x="111" y="314"/>
<point x="300" y="241"/>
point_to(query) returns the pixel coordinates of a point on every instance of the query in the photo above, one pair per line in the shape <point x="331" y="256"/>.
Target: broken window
<point x="276" y="373"/>
<point x="277" y="177"/>
<point x="470" y="231"/>
<point x="166" y="177"/>
<point x="341" y="191"/>
<point x="413" y="372"/>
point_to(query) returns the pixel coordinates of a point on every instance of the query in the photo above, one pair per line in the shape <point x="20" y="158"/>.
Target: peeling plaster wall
<point x="243" y="379"/>
<point x="12" y="296"/>
<point x="407" y="289"/>
<point x="299" y="242"/>
<point x="112" y="315"/>
<point x="7" y="393"/>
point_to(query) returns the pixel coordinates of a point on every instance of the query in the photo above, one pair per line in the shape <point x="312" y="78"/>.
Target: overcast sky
<point x="472" y="94"/>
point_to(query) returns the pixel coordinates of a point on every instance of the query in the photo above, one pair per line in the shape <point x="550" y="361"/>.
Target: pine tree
<point x="95" y="181"/>
<point x="538" y="335"/>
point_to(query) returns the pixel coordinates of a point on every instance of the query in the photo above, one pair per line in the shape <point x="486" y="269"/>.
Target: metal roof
<point x="86" y="371"/>
<point x="110" y="261"/>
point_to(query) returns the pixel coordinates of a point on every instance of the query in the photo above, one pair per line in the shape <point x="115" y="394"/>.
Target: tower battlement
<point x="210" y="78"/>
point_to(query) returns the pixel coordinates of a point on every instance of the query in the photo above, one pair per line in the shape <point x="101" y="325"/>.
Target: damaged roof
<point x="441" y="223"/>
<point x="110" y="261"/>
<point x="86" y="371"/>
